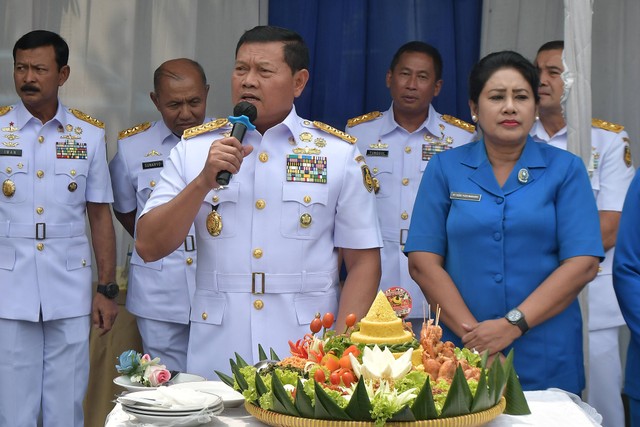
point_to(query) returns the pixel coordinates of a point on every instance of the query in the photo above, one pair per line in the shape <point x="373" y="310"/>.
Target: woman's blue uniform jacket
<point x="499" y="244"/>
<point x="626" y="282"/>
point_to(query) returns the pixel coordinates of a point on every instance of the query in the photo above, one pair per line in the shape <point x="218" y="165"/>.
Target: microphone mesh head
<point x="244" y="108"/>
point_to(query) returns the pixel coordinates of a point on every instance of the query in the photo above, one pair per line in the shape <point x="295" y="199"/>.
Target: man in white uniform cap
<point x="268" y="241"/>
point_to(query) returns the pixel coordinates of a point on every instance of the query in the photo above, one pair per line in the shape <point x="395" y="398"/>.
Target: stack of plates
<point x="172" y="407"/>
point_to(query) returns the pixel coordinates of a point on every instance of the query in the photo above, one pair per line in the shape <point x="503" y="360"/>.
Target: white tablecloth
<point x="549" y="408"/>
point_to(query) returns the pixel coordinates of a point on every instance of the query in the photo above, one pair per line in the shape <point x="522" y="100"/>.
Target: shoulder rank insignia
<point x="627" y="156"/>
<point x="86" y="118"/>
<point x="4" y="110"/>
<point x="204" y="128"/>
<point x="363" y="118"/>
<point x="459" y="123"/>
<point x="333" y="131"/>
<point x="134" y="130"/>
<point x="601" y="124"/>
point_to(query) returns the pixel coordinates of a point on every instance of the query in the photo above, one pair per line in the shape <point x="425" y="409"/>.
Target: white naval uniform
<point x="159" y="293"/>
<point x="610" y="178"/>
<point x="262" y="279"/>
<point x="45" y="262"/>
<point x="397" y="161"/>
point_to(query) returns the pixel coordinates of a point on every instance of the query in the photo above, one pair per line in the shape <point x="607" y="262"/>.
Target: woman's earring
<point x="474" y="118"/>
<point x="537" y="118"/>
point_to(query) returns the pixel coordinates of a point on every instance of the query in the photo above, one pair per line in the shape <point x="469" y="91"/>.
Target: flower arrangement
<point x="142" y="369"/>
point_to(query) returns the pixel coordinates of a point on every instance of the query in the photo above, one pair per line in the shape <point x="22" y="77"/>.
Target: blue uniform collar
<point x="531" y="160"/>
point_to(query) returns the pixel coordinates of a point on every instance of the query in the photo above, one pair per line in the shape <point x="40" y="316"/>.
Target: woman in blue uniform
<point x="505" y="233"/>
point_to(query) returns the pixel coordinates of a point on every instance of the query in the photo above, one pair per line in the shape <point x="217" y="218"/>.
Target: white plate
<point x="144" y="411"/>
<point x="230" y="397"/>
<point x="185" y="421"/>
<point x="125" y="381"/>
<point x="205" y="400"/>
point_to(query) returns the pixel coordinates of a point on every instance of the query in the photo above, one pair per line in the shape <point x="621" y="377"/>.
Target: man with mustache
<point x="268" y="241"/>
<point x="159" y="293"/>
<point x="611" y="173"/>
<point x="53" y="168"/>
<point x="397" y="145"/>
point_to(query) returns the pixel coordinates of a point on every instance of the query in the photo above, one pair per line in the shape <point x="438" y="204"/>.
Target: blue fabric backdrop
<point x="352" y="43"/>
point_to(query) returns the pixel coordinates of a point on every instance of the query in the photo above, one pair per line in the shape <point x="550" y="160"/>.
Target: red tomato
<point x="348" y="378"/>
<point x="350" y="320"/>
<point x="319" y="376"/>
<point x="316" y="325"/>
<point x="331" y="362"/>
<point x="327" y="320"/>
<point x="334" y="378"/>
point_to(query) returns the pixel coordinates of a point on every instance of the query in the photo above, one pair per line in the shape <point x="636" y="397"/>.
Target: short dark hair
<point x="552" y="45"/>
<point x="41" y="38"/>
<point x="162" y="71"/>
<point x="296" y="52"/>
<point x="421" y="47"/>
<point x="487" y="66"/>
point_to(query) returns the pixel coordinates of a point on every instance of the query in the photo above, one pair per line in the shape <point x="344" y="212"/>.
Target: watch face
<point x="514" y="315"/>
<point x="111" y="290"/>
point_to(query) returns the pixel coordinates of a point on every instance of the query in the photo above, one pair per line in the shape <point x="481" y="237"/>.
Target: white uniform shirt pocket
<point x="226" y="201"/>
<point x="7" y="257"/>
<point x="382" y="170"/>
<point x="14" y="176"/>
<point x="303" y="206"/>
<point x="147" y="181"/>
<point x="71" y="181"/>
<point x="208" y="308"/>
<point x="78" y="257"/>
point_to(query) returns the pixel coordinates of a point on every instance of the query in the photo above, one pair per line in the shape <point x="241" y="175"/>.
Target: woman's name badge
<point x="470" y="197"/>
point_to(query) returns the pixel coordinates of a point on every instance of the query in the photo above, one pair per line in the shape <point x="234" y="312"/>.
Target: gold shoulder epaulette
<point x="612" y="127"/>
<point x="87" y="118"/>
<point x="134" y="130"/>
<point x="333" y="131"/>
<point x="363" y="118"/>
<point x="204" y="128"/>
<point x="4" y="110"/>
<point x="459" y="123"/>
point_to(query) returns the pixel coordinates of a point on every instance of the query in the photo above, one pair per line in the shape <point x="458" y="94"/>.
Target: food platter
<point x="470" y="420"/>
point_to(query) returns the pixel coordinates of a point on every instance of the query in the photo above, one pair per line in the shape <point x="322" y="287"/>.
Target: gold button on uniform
<point x="407" y="149"/>
<point x="152" y="184"/>
<point x="204" y="316"/>
<point x="40" y="173"/>
<point x="257" y="253"/>
<point x="40" y="246"/>
<point x="404" y="215"/>
<point x="215" y="199"/>
<point x="9" y="170"/>
<point x="84" y="262"/>
<point x="405" y="181"/>
<point x="41" y="139"/>
<point x="375" y="170"/>
<point x="258" y="304"/>
<point x="189" y="261"/>
<point x="264" y="157"/>
<point x="260" y="204"/>
<point x="305" y="220"/>
<point x="73" y="172"/>
<point x="307" y="199"/>
<point x="39" y="210"/>
<point x="73" y="186"/>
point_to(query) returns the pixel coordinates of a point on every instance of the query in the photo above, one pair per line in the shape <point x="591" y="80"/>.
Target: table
<point x="549" y="408"/>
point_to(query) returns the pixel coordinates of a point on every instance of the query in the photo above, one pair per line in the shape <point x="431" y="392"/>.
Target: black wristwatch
<point x="516" y="317"/>
<point x="110" y="290"/>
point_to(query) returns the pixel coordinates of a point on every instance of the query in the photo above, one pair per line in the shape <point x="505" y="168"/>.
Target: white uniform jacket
<point x="397" y="160"/>
<point x="302" y="193"/>
<point x="611" y="172"/>
<point x="48" y="172"/>
<point x="159" y="290"/>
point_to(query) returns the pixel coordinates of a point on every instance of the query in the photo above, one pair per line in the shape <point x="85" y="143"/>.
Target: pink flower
<point x="145" y="358"/>
<point x="157" y="374"/>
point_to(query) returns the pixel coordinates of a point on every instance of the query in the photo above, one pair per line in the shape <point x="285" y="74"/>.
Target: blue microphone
<point x="243" y="114"/>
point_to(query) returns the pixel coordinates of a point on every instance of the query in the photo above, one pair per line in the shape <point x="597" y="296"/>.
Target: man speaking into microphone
<point x="268" y="241"/>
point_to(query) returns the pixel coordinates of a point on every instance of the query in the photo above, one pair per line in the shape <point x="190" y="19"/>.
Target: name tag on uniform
<point x="378" y="153"/>
<point x="455" y="195"/>
<point x="152" y="165"/>
<point x="16" y="152"/>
